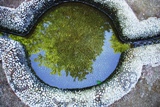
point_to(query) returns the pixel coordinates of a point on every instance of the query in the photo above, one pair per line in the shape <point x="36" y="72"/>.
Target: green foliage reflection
<point x="117" y="45"/>
<point x="72" y="36"/>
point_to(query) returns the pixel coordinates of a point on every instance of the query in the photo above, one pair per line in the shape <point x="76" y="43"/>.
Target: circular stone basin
<point x="73" y="46"/>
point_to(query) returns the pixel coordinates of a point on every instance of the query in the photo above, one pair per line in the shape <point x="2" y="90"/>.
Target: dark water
<point x="73" y="46"/>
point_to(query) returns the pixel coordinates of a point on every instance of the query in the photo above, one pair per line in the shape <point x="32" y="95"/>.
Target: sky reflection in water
<point x="73" y="39"/>
<point x="103" y="66"/>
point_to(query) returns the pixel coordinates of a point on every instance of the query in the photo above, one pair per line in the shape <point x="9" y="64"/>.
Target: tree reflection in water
<point x="69" y="38"/>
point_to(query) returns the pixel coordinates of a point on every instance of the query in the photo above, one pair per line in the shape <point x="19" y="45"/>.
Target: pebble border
<point x="37" y="94"/>
<point x="21" y="20"/>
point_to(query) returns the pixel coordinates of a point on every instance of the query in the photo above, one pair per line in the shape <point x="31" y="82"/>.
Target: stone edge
<point x="22" y="19"/>
<point x="35" y="93"/>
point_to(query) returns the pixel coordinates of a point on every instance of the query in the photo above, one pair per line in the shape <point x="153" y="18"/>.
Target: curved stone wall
<point x="21" y="20"/>
<point x="37" y="94"/>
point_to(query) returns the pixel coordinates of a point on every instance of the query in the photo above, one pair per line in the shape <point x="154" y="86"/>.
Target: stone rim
<point x="34" y="93"/>
<point x="25" y="84"/>
<point x="21" y="20"/>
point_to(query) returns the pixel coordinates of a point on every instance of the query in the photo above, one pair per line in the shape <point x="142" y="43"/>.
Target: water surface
<point x="102" y="67"/>
<point x="73" y="46"/>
